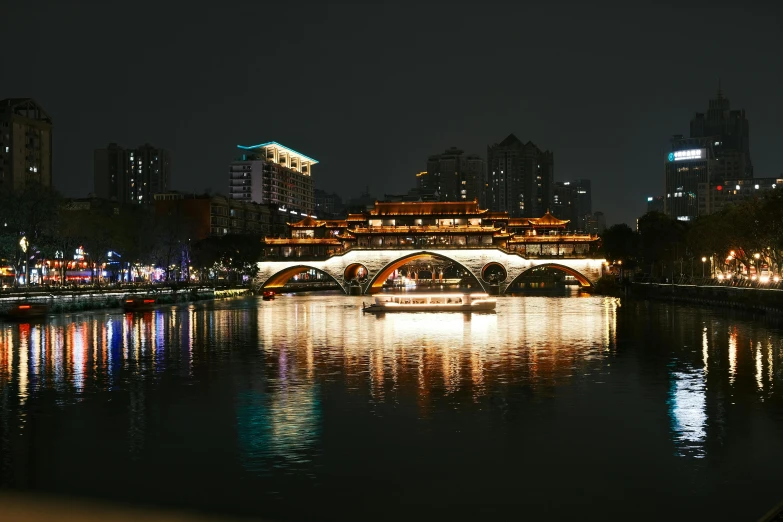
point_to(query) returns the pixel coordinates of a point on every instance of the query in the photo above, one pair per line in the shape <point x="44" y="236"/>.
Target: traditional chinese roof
<point x="335" y="223"/>
<point x="582" y="238"/>
<point x="307" y="222"/>
<point x="292" y="241"/>
<point x="428" y="229"/>
<point x="356" y="217"/>
<point x="548" y="220"/>
<point x="423" y="208"/>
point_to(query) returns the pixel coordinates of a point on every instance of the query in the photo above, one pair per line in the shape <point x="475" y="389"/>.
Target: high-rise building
<point x="273" y="173"/>
<point x="729" y="133"/>
<point x="520" y="178"/>
<point x="718" y="149"/>
<point x="25" y="144"/>
<point x="131" y="175"/>
<point x="454" y="176"/>
<point x="572" y="201"/>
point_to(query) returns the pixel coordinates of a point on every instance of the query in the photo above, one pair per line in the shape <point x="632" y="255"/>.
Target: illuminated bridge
<point x="369" y="269"/>
<point x="489" y="248"/>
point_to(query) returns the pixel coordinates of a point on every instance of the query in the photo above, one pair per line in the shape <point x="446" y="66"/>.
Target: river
<point x="304" y="408"/>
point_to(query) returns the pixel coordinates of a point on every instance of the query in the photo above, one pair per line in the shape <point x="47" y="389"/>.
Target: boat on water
<point x="139" y="303"/>
<point x="27" y="310"/>
<point x="431" y="303"/>
<point x="268" y="295"/>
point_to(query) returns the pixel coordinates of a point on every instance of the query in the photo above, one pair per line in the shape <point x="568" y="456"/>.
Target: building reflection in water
<point x="292" y="350"/>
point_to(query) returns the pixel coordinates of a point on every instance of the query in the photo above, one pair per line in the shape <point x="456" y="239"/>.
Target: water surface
<point x="303" y="408"/>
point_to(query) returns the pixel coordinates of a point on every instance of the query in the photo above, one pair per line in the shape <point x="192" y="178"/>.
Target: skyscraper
<point x="131" y="175"/>
<point x="718" y="149"/>
<point x="520" y="178"/>
<point x="273" y="173"/>
<point x="454" y="176"/>
<point x="25" y="144"/>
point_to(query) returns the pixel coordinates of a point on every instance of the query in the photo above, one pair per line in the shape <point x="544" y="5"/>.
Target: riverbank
<point x="78" y="299"/>
<point x="764" y="300"/>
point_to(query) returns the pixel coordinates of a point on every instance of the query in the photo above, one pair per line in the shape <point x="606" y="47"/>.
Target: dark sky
<point x="371" y="90"/>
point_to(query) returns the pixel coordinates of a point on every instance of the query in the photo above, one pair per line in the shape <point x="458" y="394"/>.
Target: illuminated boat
<point x="268" y="295"/>
<point x="26" y="310"/>
<point x="431" y="303"/>
<point x="139" y="303"/>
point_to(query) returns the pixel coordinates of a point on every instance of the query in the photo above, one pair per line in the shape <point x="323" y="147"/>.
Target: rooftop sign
<point x="688" y="155"/>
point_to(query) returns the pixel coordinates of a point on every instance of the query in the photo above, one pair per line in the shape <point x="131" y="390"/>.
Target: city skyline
<point x="360" y="102"/>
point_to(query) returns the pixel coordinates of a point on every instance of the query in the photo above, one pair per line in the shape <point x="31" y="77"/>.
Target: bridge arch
<point x="280" y="278"/>
<point x="583" y="280"/>
<point x="355" y="271"/>
<point x="380" y="277"/>
<point x="494" y="272"/>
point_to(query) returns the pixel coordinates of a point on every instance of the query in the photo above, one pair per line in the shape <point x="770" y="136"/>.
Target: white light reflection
<point x="705" y="353"/>
<point x="759" y="368"/>
<point x="687" y="411"/>
<point x="732" y="356"/>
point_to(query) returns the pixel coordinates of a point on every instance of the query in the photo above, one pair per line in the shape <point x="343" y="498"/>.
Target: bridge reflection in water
<point x="272" y="379"/>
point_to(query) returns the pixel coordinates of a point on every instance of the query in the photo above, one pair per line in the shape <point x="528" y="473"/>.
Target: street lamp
<point x="23" y="244"/>
<point x="703" y="260"/>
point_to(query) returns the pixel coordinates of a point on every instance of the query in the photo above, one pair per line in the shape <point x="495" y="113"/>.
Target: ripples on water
<point x="546" y="406"/>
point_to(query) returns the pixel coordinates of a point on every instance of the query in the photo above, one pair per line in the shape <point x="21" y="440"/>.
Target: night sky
<point x="371" y="90"/>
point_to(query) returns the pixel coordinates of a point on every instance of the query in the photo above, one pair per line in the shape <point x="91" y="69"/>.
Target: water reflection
<point x="275" y="373"/>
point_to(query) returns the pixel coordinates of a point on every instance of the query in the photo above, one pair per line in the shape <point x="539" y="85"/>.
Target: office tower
<point x="25" y="144"/>
<point x="718" y="149"/>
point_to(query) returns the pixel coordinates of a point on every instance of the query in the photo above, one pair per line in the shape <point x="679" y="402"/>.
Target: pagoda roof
<point x="415" y="208"/>
<point x="302" y="241"/>
<point x="428" y="229"/>
<point x="335" y="223"/>
<point x="356" y="217"/>
<point x="582" y="238"/>
<point x="548" y="220"/>
<point x="307" y="222"/>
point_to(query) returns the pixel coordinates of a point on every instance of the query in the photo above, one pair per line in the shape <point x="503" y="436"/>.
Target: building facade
<point x="520" y="178"/>
<point x="131" y="176"/>
<point x="718" y="149"/>
<point x="271" y="173"/>
<point x="572" y="201"/>
<point x="328" y="204"/>
<point x="215" y="215"/>
<point x="715" y="197"/>
<point x="25" y="144"/>
<point x="454" y="176"/>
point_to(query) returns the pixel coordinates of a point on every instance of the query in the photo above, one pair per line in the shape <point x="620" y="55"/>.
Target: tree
<point x="662" y="242"/>
<point x="620" y="242"/>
